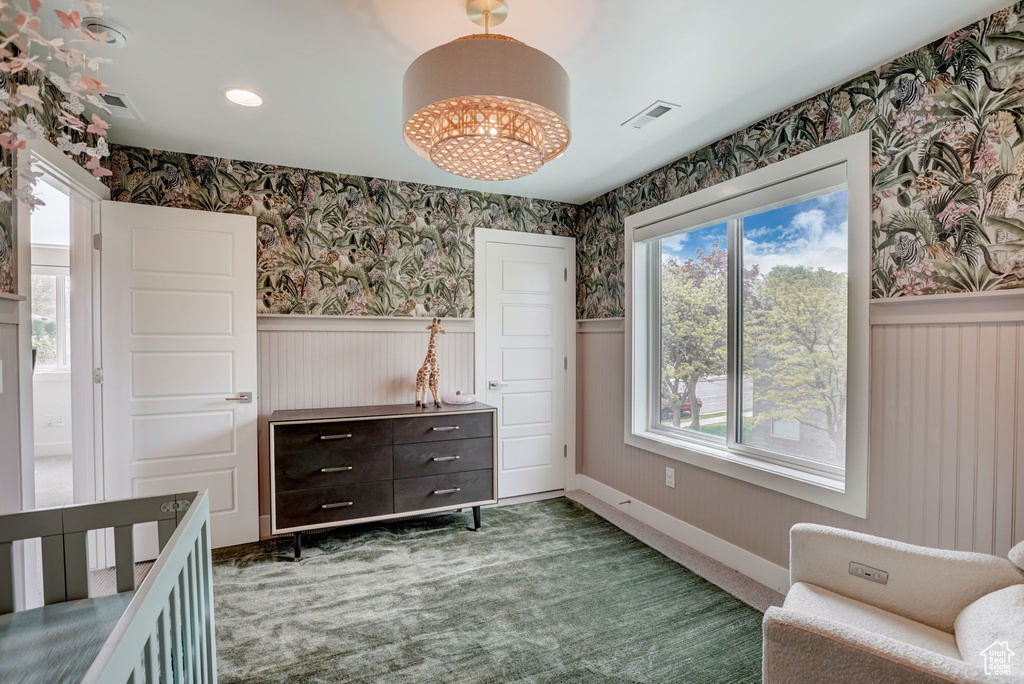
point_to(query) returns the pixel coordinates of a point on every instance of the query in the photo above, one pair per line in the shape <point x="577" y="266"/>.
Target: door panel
<point x="525" y="351"/>
<point x="179" y="345"/>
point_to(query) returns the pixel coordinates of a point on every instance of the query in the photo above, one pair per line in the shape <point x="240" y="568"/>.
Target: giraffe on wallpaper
<point x="430" y="371"/>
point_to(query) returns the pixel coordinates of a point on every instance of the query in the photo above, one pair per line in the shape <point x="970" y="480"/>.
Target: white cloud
<point x="675" y="243"/>
<point x="810" y="239"/>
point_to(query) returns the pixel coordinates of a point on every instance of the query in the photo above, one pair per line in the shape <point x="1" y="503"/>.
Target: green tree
<point x="693" y="327"/>
<point x="800" y="333"/>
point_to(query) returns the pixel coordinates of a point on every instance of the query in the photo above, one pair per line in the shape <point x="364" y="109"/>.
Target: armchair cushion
<point x="1016" y="555"/>
<point x="998" y="616"/>
<point x="926" y="585"/>
<point x="815" y="601"/>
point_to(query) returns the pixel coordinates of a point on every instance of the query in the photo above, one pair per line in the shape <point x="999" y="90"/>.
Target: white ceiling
<point x="330" y="73"/>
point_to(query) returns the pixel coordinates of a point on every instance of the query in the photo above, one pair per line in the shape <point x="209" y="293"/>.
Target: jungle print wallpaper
<point x="43" y="123"/>
<point x="333" y="244"/>
<point x="948" y="167"/>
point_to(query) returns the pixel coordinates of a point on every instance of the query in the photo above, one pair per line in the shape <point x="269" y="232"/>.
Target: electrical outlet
<point x="56" y="421"/>
<point x="868" y="573"/>
<point x="670" y="477"/>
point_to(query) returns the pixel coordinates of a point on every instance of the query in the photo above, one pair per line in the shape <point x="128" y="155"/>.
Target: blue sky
<point x="810" y="233"/>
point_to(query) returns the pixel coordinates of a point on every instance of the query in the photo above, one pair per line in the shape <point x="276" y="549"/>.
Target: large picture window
<point x="747" y="326"/>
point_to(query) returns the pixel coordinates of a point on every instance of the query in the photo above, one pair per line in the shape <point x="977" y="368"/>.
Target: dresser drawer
<point x="440" y="428"/>
<point x="435" y="458"/>
<point x="439" y="491"/>
<point x="345" y="502"/>
<point x="330" y="436"/>
<point x="329" y="468"/>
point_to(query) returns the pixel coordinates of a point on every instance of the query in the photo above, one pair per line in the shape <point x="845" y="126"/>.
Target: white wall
<point x="10" y="447"/>
<point x="313" y="363"/>
<point x="51" y="400"/>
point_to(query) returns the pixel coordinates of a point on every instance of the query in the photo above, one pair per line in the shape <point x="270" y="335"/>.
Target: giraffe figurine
<point x="430" y="371"/>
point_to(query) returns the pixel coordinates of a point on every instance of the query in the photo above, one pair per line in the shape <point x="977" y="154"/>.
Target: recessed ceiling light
<point x="246" y="98"/>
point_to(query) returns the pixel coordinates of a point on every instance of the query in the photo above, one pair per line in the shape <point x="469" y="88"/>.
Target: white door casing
<point x="179" y="346"/>
<point x="525" y="339"/>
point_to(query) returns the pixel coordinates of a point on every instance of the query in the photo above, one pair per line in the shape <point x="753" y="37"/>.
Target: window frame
<point x="807" y="175"/>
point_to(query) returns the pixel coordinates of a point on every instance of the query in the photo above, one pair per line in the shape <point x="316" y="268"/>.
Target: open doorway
<point x="52" y="302"/>
<point x="57" y="267"/>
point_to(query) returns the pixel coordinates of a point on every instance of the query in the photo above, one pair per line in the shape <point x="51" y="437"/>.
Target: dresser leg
<point x="298" y="547"/>
<point x="476" y="518"/>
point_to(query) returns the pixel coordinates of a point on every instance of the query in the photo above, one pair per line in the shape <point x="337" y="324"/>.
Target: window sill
<point x="51" y="374"/>
<point x="846" y="495"/>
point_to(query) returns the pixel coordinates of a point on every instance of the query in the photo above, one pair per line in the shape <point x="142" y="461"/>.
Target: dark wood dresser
<point x="344" y="466"/>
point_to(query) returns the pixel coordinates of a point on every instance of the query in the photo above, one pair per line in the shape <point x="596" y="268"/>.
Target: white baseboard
<point x="753" y="566"/>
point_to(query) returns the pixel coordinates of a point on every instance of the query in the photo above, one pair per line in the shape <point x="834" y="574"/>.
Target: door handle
<point x="243" y="397"/>
<point x="494" y="384"/>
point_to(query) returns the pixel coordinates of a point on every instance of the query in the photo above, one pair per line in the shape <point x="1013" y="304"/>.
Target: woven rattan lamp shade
<point x="487" y="107"/>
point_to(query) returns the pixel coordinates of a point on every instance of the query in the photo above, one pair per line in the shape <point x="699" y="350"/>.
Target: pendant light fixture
<point x="486" y="106"/>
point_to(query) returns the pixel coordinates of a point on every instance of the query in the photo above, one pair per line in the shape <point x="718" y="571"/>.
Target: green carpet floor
<point x="547" y="592"/>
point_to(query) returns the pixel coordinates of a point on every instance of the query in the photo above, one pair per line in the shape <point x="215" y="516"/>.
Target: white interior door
<point x="179" y="349"/>
<point x="526" y="299"/>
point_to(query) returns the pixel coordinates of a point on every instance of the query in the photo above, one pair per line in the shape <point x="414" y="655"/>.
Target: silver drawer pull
<point x="342" y="504"/>
<point x="445" y="429"/>
<point x="327" y="437"/>
<point x="448" y="491"/>
<point x="445" y="458"/>
<point x="339" y="469"/>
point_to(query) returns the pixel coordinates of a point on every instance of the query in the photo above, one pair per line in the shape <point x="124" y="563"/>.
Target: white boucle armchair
<point x="930" y="622"/>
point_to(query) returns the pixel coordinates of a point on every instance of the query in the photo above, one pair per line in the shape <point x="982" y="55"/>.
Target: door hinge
<point x="175" y="506"/>
<point x="566" y="363"/>
<point x="565" y="451"/>
<point x="565" y="274"/>
<point x="97" y="376"/>
<point x="97" y="241"/>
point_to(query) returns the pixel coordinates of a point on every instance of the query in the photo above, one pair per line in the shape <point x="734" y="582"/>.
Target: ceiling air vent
<point x="120" y="106"/>
<point x="650" y="113"/>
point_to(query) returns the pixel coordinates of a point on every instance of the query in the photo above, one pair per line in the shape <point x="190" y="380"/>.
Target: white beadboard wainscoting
<point x="947" y="441"/>
<point x="309" y="362"/>
<point x="10" y="416"/>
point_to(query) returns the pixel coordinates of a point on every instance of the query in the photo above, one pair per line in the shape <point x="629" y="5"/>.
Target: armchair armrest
<point x="927" y="585"/>
<point x="803" y="648"/>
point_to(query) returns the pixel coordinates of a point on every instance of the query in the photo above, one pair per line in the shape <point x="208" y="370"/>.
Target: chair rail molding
<point x="311" y="323"/>
<point x="1000" y="306"/>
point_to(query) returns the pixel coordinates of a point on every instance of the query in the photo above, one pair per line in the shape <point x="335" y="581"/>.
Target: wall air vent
<point x="650" y="113"/>
<point x="120" y="106"/>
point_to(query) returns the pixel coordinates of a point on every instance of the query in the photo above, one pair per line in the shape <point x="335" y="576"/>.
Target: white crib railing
<point x="166" y="633"/>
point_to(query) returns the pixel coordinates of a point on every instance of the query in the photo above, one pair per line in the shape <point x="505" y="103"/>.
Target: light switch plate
<point x="868" y="573"/>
